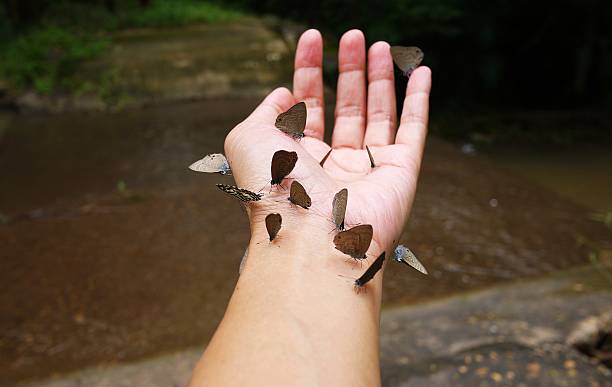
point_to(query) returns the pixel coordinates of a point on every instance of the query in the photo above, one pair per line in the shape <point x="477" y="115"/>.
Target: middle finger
<point x="351" y="94"/>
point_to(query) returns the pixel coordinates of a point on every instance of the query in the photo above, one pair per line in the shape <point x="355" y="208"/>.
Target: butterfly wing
<point x="371" y="158"/>
<point x="283" y="163"/>
<point x="407" y="58"/>
<point x="354" y="242"/>
<point x="298" y="195"/>
<point x="273" y="225"/>
<point x="371" y="271"/>
<point x="244" y="195"/>
<point x="293" y="121"/>
<point x="339" y="208"/>
<point x="405" y="255"/>
<point x="213" y="163"/>
<point x="324" y="159"/>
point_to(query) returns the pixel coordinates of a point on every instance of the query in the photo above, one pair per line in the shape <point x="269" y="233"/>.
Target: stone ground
<point x="515" y="335"/>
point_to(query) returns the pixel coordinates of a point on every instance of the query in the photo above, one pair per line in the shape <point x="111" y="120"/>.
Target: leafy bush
<point x="178" y="12"/>
<point x="45" y="57"/>
<point x="45" y="54"/>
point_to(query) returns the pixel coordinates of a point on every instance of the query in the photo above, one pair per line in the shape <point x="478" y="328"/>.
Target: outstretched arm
<point x="294" y="318"/>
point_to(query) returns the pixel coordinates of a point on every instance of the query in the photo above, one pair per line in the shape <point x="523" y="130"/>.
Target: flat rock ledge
<point x="515" y="335"/>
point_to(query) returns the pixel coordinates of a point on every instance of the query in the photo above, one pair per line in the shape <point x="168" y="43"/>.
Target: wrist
<point x="303" y="251"/>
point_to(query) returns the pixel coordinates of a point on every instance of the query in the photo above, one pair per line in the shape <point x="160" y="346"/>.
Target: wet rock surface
<point x="513" y="335"/>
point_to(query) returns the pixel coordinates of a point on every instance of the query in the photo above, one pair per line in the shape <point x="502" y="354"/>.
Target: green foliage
<point x="178" y="12"/>
<point x="45" y="53"/>
<point x="160" y="13"/>
<point x="44" y="58"/>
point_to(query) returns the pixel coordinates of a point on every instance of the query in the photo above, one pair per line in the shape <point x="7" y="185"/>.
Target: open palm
<point x="380" y="196"/>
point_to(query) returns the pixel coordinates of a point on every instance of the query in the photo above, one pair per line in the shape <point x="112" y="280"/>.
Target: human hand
<point x="288" y="322"/>
<point x="380" y="196"/>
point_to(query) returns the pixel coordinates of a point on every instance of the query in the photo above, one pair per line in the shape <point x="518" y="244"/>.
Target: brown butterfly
<point x="298" y="195"/>
<point x="283" y="163"/>
<point x="293" y="121"/>
<point x="273" y="225"/>
<point x="407" y="58"/>
<point x="371" y="271"/>
<point x="244" y="195"/>
<point x="403" y="255"/>
<point x="355" y="241"/>
<point x="339" y="208"/>
<point x="322" y="162"/>
<point x="371" y="158"/>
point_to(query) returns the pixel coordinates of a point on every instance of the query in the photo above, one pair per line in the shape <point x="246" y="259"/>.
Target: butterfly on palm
<point x="244" y="195"/>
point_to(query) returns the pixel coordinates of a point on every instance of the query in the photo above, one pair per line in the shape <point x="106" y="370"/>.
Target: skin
<point x="294" y="317"/>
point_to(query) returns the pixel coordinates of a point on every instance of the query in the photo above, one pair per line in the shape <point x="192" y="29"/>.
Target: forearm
<point x="295" y="318"/>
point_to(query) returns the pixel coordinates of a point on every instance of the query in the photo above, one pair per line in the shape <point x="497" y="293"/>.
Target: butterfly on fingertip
<point x="407" y="58"/>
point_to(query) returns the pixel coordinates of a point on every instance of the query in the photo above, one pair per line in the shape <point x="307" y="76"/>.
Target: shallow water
<point x="96" y="274"/>
<point x="582" y="173"/>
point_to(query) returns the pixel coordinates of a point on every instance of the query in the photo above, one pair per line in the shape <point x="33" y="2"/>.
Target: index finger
<point x="308" y="81"/>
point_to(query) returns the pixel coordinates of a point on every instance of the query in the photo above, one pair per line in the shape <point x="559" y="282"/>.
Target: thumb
<point x="276" y="102"/>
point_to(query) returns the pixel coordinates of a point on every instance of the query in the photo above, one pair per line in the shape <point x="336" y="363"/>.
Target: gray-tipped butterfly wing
<point x="371" y="271"/>
<point x="273" y="225"/>
<point x="243" y="261"/>
<point x="293" y="121"/>
<point x="244" y="195"/>
<point x="298" y="195"/>
<point x="282" y="164"/>
<point x="407" y="58"/>
<point x="354" y="242"/>
<point x="403" y="255"/>
<point x="213" y="163"/>
<point x="339" y="208"/>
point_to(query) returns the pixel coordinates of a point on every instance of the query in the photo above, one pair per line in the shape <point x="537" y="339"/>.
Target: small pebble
<point x="482" y="371"/>
<point x="497" y="377"/>
<point x="533" y="368"/>
<point x="578" y="287"/>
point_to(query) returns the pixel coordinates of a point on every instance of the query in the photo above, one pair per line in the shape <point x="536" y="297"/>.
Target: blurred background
<point x="117" y="261"/>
